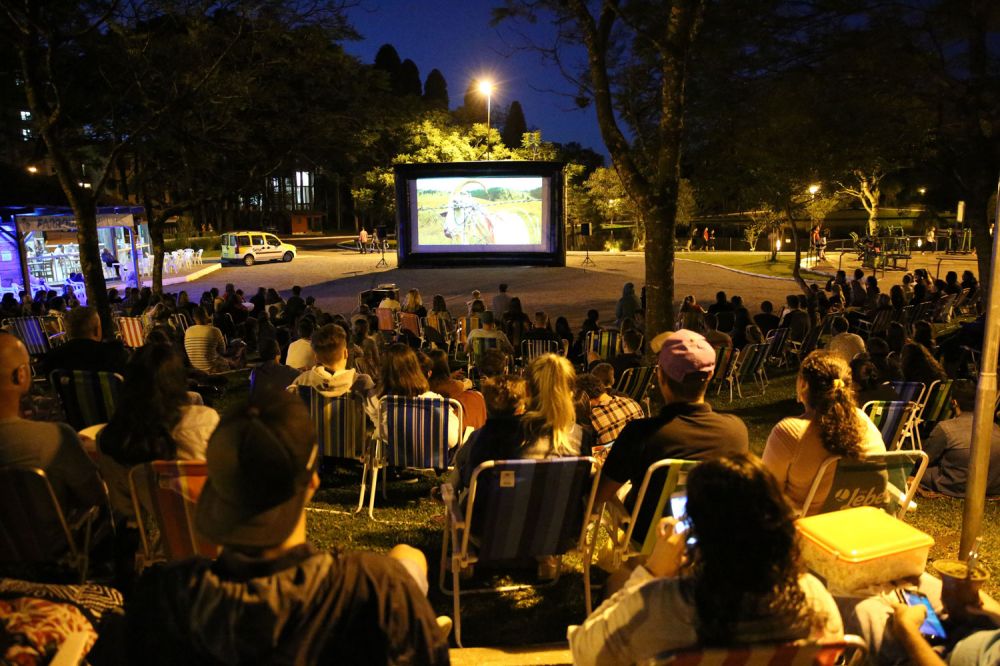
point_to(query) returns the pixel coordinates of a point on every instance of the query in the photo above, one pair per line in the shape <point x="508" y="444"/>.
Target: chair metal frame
<point x="905" y="427"/>
<point x="530" y="349"/>
<point x="457" y="531"/>
<point x="79" y="554"/>
<point x="902" y="496"/>
<point x="850" y="651"/>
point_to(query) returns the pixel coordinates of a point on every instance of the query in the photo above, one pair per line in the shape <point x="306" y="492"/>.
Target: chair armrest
<point x="451" y="505"/>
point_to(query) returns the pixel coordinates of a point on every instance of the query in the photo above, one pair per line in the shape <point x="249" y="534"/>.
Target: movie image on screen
<point x="492" y="211"/>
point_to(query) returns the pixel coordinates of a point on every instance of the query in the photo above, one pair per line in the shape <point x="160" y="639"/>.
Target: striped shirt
<point x="204" y="345"/>
<point x="610" y="414"/>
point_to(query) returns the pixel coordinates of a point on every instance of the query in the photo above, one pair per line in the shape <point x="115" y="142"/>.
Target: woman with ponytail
<point x="832" y="425"/>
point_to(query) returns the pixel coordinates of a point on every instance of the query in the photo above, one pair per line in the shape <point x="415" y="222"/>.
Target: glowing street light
<point x="922" y="190"/>
<point x="486" y="88"/>
<point x="32" y="169"/>
<point x="813" y="189"/>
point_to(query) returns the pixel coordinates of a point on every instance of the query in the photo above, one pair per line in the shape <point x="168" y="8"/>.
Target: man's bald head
<point x="15" y="371"/>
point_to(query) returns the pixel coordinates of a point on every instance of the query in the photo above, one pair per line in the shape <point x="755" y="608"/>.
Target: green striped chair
<point x="88" y="398"/>
<point x="724" y="360"/>
<point x="635" y="383"/>
<point x="518" y="510"/>
<point x="936" y="407"/>
<point x="605" y="343"/>
<point x="635" y="534"/>
<point x="895" y="420"/>
<point x="171" y="489"/>
<point x="888" y="481"/>
<point x="477" y="347"/>
<point x="415" y="436"/>
<point x="30" y="518"/>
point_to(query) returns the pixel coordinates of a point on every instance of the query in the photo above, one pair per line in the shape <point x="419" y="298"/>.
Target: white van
<point x="249" y="247"/>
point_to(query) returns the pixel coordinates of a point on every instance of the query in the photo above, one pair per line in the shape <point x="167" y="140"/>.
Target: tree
<point x="762" y="221"/>
<point x="635" y="73"/>
<point x="387" y="60"/>
<point x="409" y="79"/>
<point x="436" y="90"/>
<point x="514" y="126"/>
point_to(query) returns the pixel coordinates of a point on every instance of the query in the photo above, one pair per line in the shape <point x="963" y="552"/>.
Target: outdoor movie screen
<point x="482" y="213"/>
<point x="489" y="213"/>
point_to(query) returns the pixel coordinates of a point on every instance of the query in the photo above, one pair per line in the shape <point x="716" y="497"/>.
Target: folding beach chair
<point x="910" y="391"/>
<point x="31" y="331"/>
<point x="605" y="343"/>
<point x="464" y="326"/>
<point x="777" y="340"/>
<point x="341" y="426"/>
<point x="34" y="530"/>
<point x="386" y="322"/>
<point x="437" y="329"/>
<point x="937" y="407"/>
<point x="476" y="347"/>
<point x="876" y="326"/>
<point x="518" y="510"/>
<point x="410" y="323"/>
<point x="851" y="650"/>
<point x="895" y="420"/>
<point x="882" y="480"/>
<point x="88" y="398"/>
<point x="533" y="348"/>
<point x="724" y="360"/>
<point x="180" y="322"/>
<point x="636" y="382"/>
<point x="652" y="502"/>
<point x="132" y="331"/>
<point x="943" y="308"/>
<point x="415" y="436"/>
<point x="171" y="488"/>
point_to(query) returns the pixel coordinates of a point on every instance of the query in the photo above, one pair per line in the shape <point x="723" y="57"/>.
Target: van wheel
<point x="248" y="260"/>
<point x="288" y="256"/>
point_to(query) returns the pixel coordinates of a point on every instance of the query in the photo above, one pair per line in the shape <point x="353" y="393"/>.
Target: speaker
<point x="585" y="228"/>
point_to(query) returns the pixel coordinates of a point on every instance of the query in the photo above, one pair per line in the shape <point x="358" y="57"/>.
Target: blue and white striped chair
<point x="515" y="510"/>
<point x="895" y="419"/>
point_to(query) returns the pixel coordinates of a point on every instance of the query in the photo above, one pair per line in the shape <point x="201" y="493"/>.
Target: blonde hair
<point x="413" y="301"/>
<point x="550" y="408"/>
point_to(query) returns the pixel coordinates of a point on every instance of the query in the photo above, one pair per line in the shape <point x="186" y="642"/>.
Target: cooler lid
<point x="861" y="534"/>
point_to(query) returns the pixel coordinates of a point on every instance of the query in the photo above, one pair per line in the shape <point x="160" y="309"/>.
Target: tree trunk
<point x="659" y="254"/>
<point x="977" y="218"/>
<point x="90" y="262"/>
<point x="873" y="219"/>
<point x="796" y="265"/>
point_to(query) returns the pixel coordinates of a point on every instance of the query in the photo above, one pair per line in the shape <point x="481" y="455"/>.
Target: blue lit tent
<point x="38" y="245"/>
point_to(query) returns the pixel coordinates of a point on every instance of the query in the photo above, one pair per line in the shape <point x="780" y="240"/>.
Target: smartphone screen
<point x="678" y="508"/>
<point x="931" y="628"/>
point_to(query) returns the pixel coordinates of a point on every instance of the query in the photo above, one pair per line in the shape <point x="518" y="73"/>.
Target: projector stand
<point x="587" y="261"/>
<point x="382" y="261"/>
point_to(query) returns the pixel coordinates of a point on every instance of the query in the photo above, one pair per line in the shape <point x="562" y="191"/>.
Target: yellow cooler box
<point x="856" y="548"/>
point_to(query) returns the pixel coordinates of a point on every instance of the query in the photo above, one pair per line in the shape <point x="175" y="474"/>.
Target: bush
<point x="206" y="243"/>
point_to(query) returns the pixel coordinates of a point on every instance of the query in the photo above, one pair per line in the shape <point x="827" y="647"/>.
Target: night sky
<point x="456" y="37"/>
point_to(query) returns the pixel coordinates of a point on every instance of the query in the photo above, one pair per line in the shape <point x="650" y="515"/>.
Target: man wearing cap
<point x="686" y="428"/>
<point x="270" y="597"/>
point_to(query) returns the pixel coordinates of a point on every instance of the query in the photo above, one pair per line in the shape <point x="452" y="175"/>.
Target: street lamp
<point x="813" y="189"/>
<point x="32" y="169"/>
<point x="486" y="88"/>
<point x="922" y="190"/>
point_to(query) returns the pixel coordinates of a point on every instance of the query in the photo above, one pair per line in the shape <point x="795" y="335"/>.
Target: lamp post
<point x="486" y="88"/>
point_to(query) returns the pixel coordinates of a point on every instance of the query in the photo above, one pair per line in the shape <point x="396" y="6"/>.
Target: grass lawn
<point x="541" y="616"/>
<point x="752" y="262"/>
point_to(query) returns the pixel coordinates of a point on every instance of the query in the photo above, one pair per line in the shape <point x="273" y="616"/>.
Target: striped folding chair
<point x="910" y="391"/>
<point x="30" y="518"/>
<point x="31" y="331"/>
<point x="479" y="346"/>
<point x="410" y="323"/>
<point x="851" y="650"/>
<point x="937" y="407"/>
<point x="386" y="322"/>
<point x="605" y="343"/>
<point x="635" y="534"/>
<point x="464" y="326"/>
<point x="437" y="329"/>
<point x="894" y="419"/>
<point x="88" y="398"/>
<point x="636" y="382"/>
<point x="777" y="339"/>
<point x="750" y="368"/>
<point x="724" y="358"/>
<point x="943" y="308"/>
<point x="171" y="489"/>
<point x="888" y="481"/>
<point x="413" y="434"/>
<point x="132" y="331"/>
<point x="518" y="509"/>
<point x="876" y="325"/>
<point x="530" y="349"/>
<point x="179" y="321"/>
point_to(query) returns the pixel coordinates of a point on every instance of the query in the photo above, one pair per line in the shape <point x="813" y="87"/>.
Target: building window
<point x="26" y="134"/>
<point x="303" y="190"/>
<point x="26" y="116"/>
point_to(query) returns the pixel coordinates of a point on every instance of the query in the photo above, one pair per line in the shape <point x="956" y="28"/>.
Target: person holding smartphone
<point x="734" y="578"/>
<point x="978" y="647"/>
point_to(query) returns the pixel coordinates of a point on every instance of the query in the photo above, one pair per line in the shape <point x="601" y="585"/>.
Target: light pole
<point x="486" y="88"/>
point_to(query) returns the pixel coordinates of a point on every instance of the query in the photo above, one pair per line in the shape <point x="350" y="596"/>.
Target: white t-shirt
<point x="650" y="615"/>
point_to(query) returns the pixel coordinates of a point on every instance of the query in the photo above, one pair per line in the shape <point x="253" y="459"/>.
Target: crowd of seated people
<point x="552" y="405"/>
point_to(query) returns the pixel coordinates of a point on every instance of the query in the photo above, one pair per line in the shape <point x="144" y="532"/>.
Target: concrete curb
<point x="751" y="273"/>
<point x="190" y="277"/>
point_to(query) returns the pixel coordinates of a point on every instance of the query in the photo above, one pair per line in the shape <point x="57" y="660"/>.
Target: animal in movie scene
<point x="506" y="212"/>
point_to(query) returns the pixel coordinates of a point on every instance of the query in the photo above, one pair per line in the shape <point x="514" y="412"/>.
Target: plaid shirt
<point x="611" y="414"/>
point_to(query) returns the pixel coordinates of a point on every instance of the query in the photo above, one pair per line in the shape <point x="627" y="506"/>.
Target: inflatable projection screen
<point x="480" y="213"/>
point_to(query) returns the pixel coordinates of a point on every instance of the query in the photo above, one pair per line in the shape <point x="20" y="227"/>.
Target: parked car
<point x="249" y="247"/>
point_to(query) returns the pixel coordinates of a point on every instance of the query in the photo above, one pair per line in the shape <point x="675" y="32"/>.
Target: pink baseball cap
<point x="684" y="352"/>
